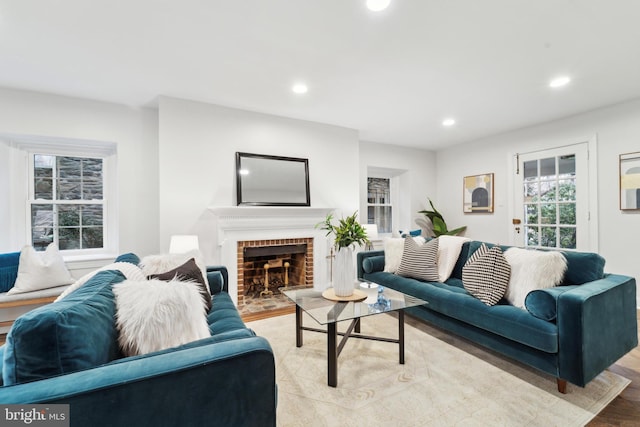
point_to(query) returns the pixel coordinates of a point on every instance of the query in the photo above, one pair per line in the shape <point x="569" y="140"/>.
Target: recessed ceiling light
<point x="559" y="81"/>
<point x="448" y="122"/>
<point x="377" y="5"/>
<point x="300" y="88"/>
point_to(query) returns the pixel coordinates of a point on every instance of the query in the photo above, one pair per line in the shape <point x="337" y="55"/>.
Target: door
<point x="551" y="200"/>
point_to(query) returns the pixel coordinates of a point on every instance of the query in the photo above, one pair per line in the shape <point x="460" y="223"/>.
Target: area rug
<point x="445" y="381"/>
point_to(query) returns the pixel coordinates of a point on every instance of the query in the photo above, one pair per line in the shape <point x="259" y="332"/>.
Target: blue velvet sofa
<point x="72" y="357"/>
<point x="573" y="332"/>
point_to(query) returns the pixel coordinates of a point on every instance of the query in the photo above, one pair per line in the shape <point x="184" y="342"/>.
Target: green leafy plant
<point x="439" y="225"/>
<point x="348" y="231"/>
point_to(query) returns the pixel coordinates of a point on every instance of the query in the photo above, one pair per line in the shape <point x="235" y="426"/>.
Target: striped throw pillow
<point x="486" y="274"/>
<point x="419" y="261"/>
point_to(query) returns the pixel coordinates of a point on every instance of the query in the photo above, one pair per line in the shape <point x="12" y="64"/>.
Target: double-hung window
<point x="379" y="205"/>
<point x="67" y="202"/>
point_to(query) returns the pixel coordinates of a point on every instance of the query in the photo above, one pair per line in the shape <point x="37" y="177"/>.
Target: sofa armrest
<point x="214" y="280"/>
<point x="362" y="256"/>
<point x="597" y="324"/>
<point x="172" y="388"/>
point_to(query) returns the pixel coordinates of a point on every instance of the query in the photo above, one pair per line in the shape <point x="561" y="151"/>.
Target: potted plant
<point x="347" y="234"/>
<point x="439" y="226"/>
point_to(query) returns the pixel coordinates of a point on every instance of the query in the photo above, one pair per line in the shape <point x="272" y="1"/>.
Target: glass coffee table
<point x="327" y="312"/>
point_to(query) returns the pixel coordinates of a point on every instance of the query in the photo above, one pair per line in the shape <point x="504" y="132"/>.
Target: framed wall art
<point x="630" y="181"/>
<point x="478" y="194"/>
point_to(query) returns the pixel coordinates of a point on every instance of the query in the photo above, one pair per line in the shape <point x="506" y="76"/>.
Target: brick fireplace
<point x="241" y="227"/>
<point x="265" y="265"/>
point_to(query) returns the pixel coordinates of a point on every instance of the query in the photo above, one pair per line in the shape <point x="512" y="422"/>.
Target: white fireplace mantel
<point x="239" y="223"/>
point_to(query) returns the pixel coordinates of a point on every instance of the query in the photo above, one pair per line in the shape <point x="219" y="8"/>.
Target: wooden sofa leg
<point x="562" y="385"/>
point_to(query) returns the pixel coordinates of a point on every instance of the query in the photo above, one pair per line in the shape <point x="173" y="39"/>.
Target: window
<point x="379" y="205"/>
<point x="60" y="190"/>
<point x="66" y="202"/>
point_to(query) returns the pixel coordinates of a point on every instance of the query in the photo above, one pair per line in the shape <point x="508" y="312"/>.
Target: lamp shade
<point x="183" y="243"/>
<point x="372" y="231"/>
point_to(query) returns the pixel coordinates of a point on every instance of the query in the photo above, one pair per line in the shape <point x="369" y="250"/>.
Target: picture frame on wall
<point x="478" y="194"/>
<point x="630" y="181"/>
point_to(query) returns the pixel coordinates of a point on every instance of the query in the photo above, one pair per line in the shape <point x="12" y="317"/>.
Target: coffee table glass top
<point x="326" y="311"/>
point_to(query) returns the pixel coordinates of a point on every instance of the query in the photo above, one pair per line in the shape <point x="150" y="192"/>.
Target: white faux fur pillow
<point x="40" y="270"/>
<point x="449" y="248"/>
<point x="531" y="270"/>
<point x="393" y="249"/>
<point x="130" y="271"/>
<point x="157" y="264"/>
<point x="152" y="315"/>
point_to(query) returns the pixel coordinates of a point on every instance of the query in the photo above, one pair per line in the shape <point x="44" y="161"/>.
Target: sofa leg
<point x="562" y="385"/>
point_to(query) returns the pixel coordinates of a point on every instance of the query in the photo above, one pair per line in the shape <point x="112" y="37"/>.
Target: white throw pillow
<point x="40" y="270"/>
<point x="153" y="315"/>
<point x="531" y="270"/>
<point x="157" y="264"/>
<point x="393" y="249"/>
<point x="130" y="271"/>
<point x="449" y="249"/>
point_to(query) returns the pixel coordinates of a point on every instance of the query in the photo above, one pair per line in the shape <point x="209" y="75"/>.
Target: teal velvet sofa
<point x="72" y="357"/>
<point x="573" y="331"/>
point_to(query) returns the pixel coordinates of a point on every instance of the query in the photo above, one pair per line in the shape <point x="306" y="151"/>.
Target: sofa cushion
<point x="393" y="250"/>
<point x="449" y="248"/>
<point x="419" y="262"/>
<point x="502" y="319"/>
<point x="374" y="263"/>
<point x="76" y="333"/>
<point x="543" y="303"/>
<point x="583" y="267"/>
<point x="486" y="275"/>
<point x="8" y="270"/>
<point x="153" y="315"/>
<point x="224" y="315"/>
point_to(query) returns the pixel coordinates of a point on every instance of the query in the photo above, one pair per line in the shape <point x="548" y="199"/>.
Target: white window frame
<point x="24" y="148"/>
<point x="393" y="175"/>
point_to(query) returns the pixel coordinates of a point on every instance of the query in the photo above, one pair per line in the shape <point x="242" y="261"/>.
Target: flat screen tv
<point x="263" y="180"/>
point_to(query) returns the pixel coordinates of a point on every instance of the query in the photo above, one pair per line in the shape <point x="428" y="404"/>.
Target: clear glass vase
<point x="343" y="272"/>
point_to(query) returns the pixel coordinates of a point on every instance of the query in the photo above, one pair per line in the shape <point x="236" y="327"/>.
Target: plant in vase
<point x="347" y="234"/>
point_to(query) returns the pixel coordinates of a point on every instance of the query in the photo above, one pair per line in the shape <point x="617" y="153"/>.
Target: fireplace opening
<point x="267" y="266"/>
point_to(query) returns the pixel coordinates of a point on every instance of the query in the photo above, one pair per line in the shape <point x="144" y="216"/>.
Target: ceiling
<point x="392" y="75"/>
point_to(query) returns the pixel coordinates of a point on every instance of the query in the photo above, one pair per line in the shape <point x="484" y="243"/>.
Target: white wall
<point x="197" y="146"/>
<point x="417" y="183"/>
<point x="618" y="131"/>
<point x="134" y="131"/>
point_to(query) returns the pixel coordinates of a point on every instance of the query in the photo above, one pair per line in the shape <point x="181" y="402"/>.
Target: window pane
<point x="69" y="238"/>
<point x="531" y="236"/>
<point x="548" y="214"/>
<point x="548" y="167"/>
<point x="92" y="179"/>
<point x="381" y="216"/>
<point x="548" y="237"/>
<point x="379" y="190"/>
<point x="530" y="170"/>
<point x="567" y="165"/>
<point x="567" y="190"/>
<point x="68" y="216"/>
<point x="548" y="191"/>
<point x="567" y="213"/>
<point x="91" y="215"/>
<point x="531" y="192"/>
<point x="69" y="189"/>
<point x="531" y="214"/>
<point x="568" y="237"/>
<point x="41" y="226"/>
<point x="43" y="176"/>
<point x="92" y="237"/>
